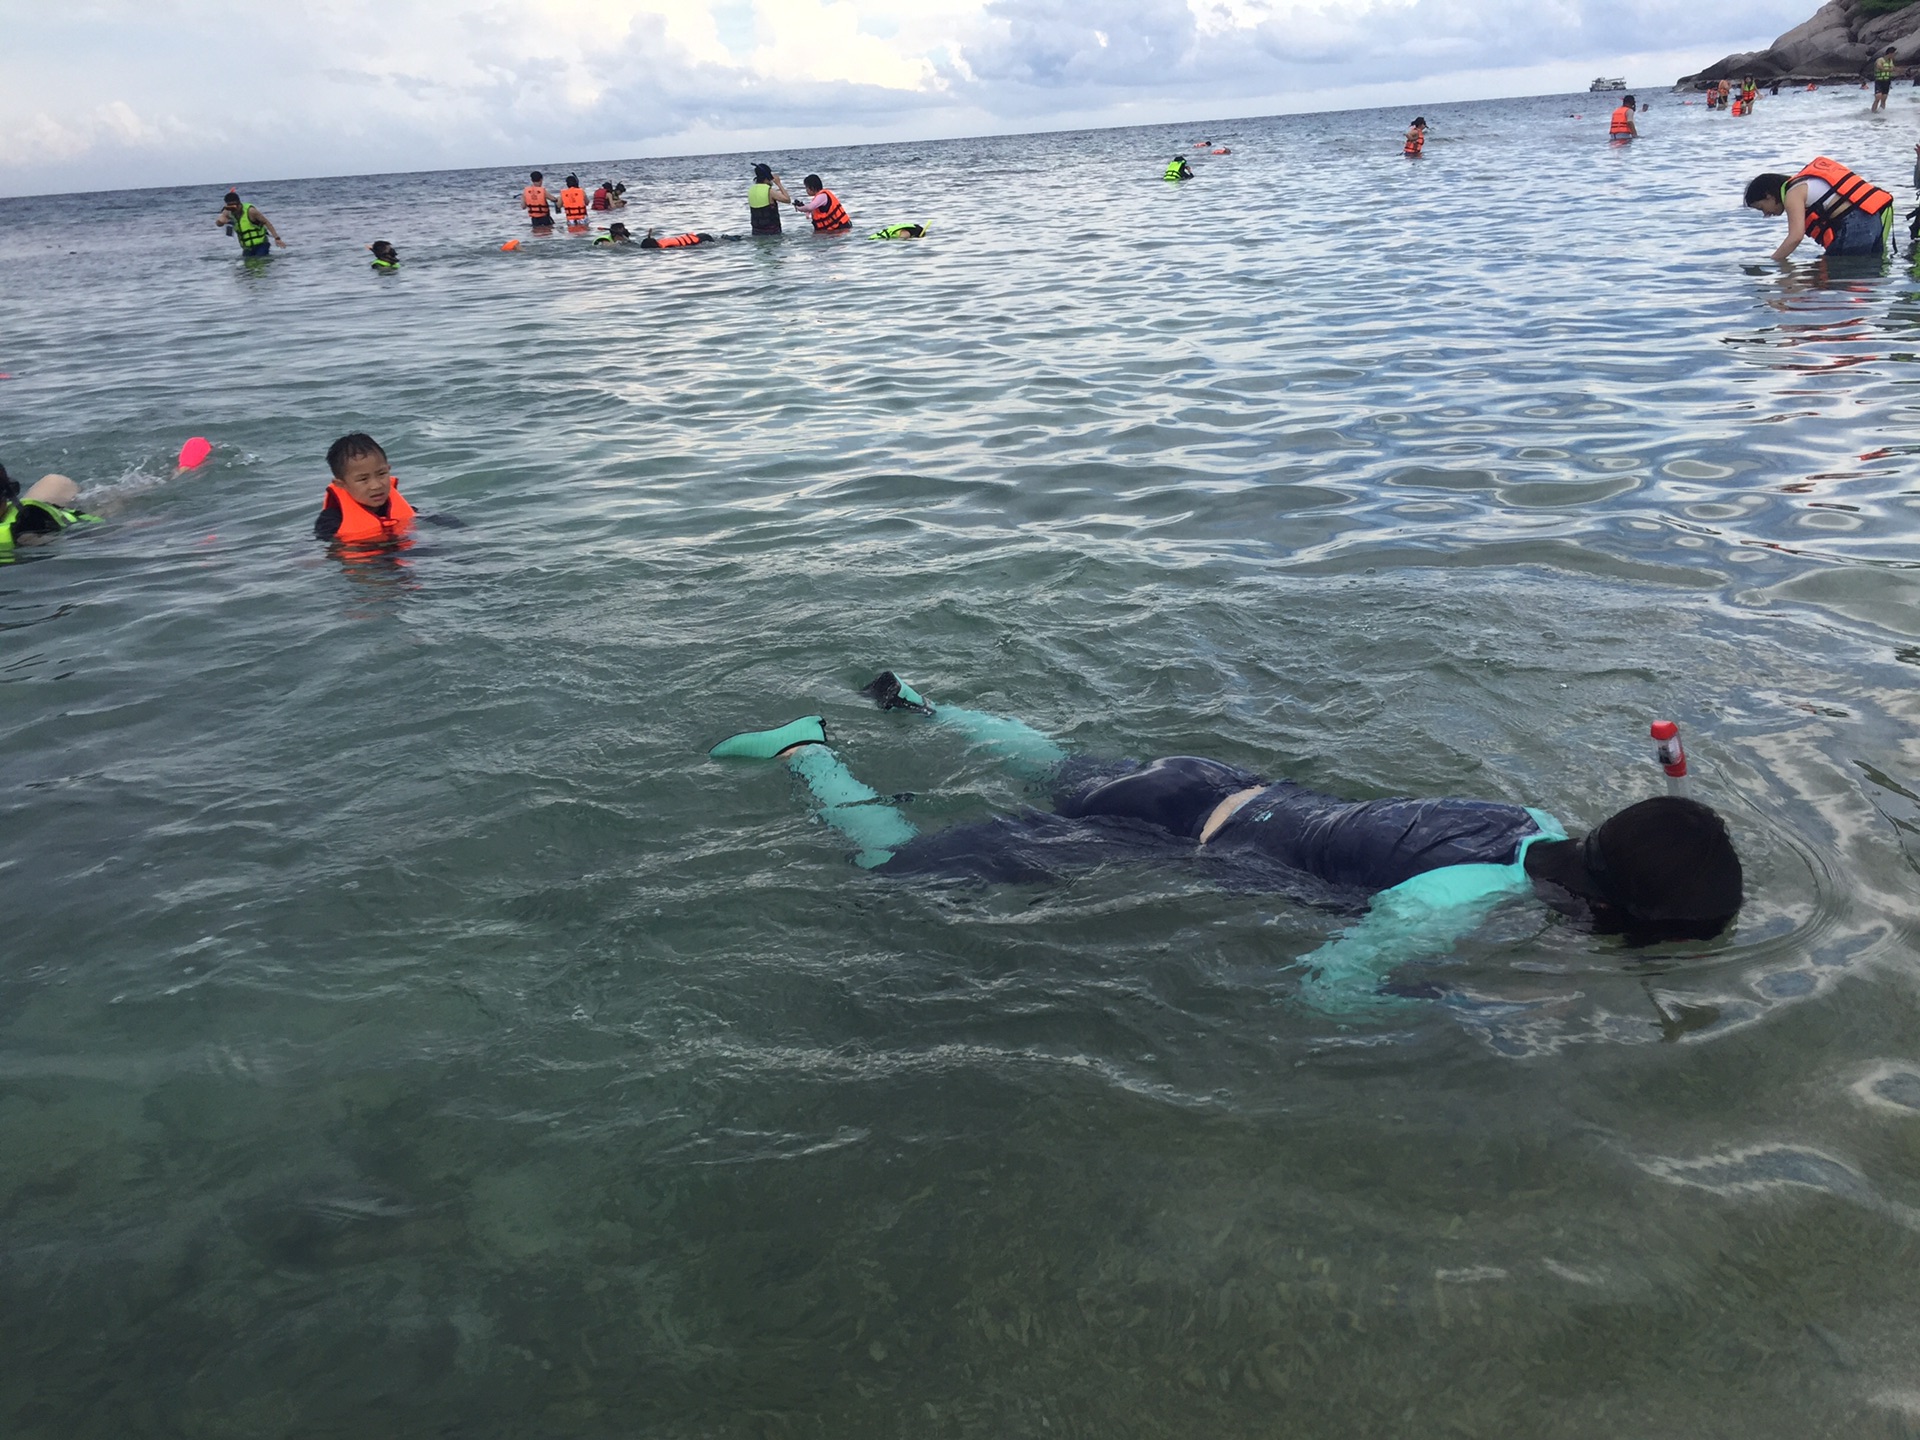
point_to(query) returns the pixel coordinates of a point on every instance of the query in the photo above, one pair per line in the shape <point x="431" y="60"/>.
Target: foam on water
<point x="404" y="1027"/>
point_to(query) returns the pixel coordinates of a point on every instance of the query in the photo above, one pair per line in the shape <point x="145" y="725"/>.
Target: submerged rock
<point x="1839" y="42"/>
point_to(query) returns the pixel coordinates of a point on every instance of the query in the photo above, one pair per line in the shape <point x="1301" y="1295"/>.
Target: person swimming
<point x="1425" y="872"/>
<point x="44" y="511"/>
<point x="675" y="242"/>
<point x="1178" y="169"/>
<point x="385" y="257"/>
<point x="913" y="231"/>
<point x="617" y="234"/>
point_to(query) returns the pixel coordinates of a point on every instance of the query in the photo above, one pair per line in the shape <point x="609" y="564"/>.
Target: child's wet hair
<point x="349" y="448"/>
<point x="9" y="487"/>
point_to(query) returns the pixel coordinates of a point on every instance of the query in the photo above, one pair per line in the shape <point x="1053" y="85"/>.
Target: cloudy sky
<point x="100" y="93"/>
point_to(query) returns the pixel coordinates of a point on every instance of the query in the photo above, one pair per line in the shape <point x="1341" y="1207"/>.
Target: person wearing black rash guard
<point x="764" y="198"/>
<point x="1426" y="872"/>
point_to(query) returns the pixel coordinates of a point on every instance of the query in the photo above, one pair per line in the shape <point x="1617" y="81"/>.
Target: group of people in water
<point x="765" y="195"/>
<point x="1416" y="875"/>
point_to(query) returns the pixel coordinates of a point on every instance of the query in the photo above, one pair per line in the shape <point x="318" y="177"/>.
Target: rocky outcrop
<point x="1839" y="42"/>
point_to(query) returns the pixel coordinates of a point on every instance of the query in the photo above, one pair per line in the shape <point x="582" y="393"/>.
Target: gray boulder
<point x="1839" y="42"/>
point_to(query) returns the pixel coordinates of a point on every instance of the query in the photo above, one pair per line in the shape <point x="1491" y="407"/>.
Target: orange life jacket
<point x="1848" y="192"/>
<point x="1416" y="142"/>
<point x="357" y="523"/>
<point x="672" y="242"/>
<point x="573" y="200"/>
<point x="832" y="215"/>
<point x="1622" y="122"/>
<point x="534" y="197"/>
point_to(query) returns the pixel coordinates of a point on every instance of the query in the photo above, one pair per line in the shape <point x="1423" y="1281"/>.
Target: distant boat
<point x="1603" y="85"/>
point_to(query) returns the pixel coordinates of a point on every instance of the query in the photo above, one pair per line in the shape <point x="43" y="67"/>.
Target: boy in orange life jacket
<point x="363" y="504"/>
<point x="828" y="213"/>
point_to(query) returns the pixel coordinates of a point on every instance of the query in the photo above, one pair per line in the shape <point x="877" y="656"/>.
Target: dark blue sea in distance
<point x="406" y="1030"/>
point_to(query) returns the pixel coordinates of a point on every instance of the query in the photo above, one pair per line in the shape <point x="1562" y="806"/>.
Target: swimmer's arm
<point x="778" y="191"/>
<point x="1796" y="203"/>
<point x="268" y="225"/>
<point x="1424" y="916"/>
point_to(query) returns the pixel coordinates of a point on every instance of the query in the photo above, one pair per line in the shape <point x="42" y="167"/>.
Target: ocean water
<point x="406" y="1030"/>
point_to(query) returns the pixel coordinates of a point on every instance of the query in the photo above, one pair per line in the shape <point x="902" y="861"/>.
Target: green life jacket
<point x="1173" y="170"/>
<point x="899" y="232"/>
<point x="386" y="264"/>
<point x="1883" y="69"/>
<point x="61" y="516"/>
<point x="759" y="196"/>
<point x="248" y="231"/>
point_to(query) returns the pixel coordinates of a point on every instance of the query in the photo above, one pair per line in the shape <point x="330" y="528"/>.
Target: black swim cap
<point x="763" y="173"/>
<point x="1664" y="869"/>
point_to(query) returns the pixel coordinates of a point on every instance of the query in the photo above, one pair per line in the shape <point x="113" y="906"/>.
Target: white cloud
<point x="210" y="90"/>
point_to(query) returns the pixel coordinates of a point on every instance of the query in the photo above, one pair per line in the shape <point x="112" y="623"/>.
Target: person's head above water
<point x="232" y="200"/>
<point x="1764" y="193"/>
<point x="535" y="177"/>
<point x="618" y="230"/>
<point x="814" y="184"/>
<point x="383" y="250"/>
<point x="359" y="465"/>
<point x="1629" y="102"/>
<point x="1419" y="122"/>
<point x="762" y="174"/>
<point x="9" y="489"/>
<point x="573" y="182"/>
<point x="1664" y="869"/>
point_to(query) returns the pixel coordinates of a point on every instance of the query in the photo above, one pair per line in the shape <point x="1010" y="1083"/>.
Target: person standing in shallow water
<point x="1622" y="126"/>
<point x="247" y="225"/>
<point x="1847" y="214"/>
<point x="1882" y="79"/>
<point x="1416" y="138"/>
<point x="537" y="203"/>
<point x="764" y="198"/>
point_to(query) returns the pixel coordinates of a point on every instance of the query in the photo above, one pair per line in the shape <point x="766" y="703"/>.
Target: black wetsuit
<point x="1348" y="849"/>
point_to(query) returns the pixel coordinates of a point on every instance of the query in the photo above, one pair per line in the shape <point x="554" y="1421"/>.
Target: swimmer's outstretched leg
<point x="874" y="827"/>
<point x="1017" y="745"/>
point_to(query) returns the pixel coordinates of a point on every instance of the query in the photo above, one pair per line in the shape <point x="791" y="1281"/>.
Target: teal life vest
<point x="1176" y="170"/>
<point x="247" y="230"/>
<point x="62" y="518"/>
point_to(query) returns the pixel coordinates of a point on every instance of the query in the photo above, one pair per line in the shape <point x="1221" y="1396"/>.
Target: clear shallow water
<point x="404" y="1029"/>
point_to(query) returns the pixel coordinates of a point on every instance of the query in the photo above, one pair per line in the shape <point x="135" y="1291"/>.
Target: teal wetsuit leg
<point x="854" y="809"/>
<point x="1016" y="744"/>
